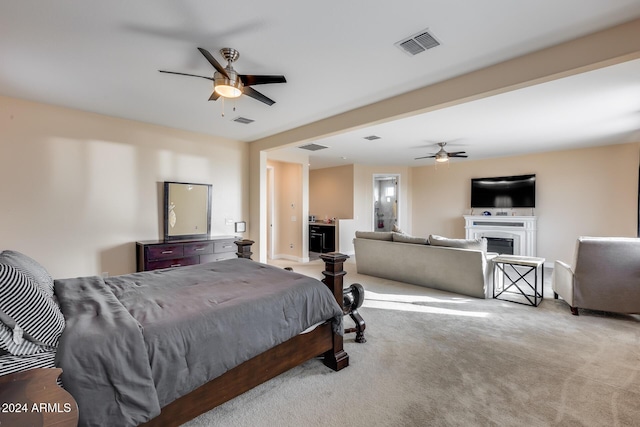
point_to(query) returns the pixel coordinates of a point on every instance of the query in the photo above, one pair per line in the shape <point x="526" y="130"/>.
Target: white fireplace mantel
<point x="522" y="229"/>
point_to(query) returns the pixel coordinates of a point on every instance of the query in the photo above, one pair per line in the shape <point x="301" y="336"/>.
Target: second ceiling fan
<point x="227" y="83"/>
<point x="442" y="155"/>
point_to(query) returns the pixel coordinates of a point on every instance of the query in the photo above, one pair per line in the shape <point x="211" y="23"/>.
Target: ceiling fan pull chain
<point x="222" y="106"/>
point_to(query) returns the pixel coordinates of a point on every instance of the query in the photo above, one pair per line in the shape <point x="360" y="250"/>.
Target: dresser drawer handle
<point x="176" y="265"/>
<point x="227" y="246"/>
<point x="199" y="249"/>
<point x="167" y="252"/>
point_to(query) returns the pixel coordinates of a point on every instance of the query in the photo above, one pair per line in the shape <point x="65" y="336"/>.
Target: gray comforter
<point x="134" y="343"/>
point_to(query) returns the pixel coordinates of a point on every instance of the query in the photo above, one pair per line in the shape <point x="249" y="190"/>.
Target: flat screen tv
<point x="504" y="192"/>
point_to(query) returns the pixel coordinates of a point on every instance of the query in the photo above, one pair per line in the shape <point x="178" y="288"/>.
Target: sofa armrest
<point x="562" y="283"/>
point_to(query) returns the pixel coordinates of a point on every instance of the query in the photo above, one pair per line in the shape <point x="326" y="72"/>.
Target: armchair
<point x="605" y="275"/>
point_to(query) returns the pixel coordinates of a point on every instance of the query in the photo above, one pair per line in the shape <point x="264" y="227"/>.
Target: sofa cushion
<point x="405" y="238"/>
<point x="375" y="235"/>
<point x="477" y="244"/>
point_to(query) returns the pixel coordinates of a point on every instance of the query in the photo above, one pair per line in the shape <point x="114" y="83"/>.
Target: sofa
<point x="605" y="275"/>
<point x="453" y="265"/>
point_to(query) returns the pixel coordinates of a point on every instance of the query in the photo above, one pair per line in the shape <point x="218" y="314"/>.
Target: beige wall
<point x="591" y="191"/>
<point x="288" y="220"/>
<point x="331" y="192"/>
<point x="78" y="189"/>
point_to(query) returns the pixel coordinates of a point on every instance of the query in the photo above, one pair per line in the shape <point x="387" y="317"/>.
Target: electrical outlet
<point x="228" y="221"/>
<point x="290" y="245"/>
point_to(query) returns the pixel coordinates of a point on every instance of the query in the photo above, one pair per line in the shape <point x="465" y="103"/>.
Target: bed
<point x="174" y="326"/>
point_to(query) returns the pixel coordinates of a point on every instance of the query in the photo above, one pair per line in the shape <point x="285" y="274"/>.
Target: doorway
<point x="385" y="202"/>
<point x="270" y="211"/>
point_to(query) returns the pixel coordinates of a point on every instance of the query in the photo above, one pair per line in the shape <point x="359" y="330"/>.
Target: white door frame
<point x="373" y="197"/>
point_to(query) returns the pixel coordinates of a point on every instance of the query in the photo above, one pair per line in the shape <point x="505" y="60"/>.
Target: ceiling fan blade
<point x="455" y="153"/>
<point x="458" y="155"/>
<point x="425" y="157"/>
<point x="185" y="74"/>
<point x="214" y="95"/>
<point x="257" y="95"/>
<point x="249" y="80"/>
<point x="213" y="62"/>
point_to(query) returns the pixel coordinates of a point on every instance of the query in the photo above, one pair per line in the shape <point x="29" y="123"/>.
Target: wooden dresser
<point x="155" y="254"/>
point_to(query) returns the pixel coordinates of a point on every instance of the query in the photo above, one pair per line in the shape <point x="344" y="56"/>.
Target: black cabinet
<point x="322" y="238"/>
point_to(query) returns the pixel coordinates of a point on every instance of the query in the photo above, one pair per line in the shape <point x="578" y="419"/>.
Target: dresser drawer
<point x="224" y="246"/>
<point x="165" y="251"/>
<point x="191" y="249"/>
<point x="166" y="263"/>
<point x="217" y="257"/>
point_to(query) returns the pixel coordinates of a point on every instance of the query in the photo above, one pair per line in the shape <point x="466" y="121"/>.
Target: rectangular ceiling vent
<point x="371" y="137"/>
<point x="418" y="43"/>
<point x="313" y="147"/>
<point x="243" y="120"/>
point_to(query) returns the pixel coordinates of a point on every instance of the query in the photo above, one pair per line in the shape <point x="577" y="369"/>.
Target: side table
<point x="516" y="272"/>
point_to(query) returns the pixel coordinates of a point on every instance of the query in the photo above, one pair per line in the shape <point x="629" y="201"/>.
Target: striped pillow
<point x="12" y="364"/>
<point x="23" y="304"/>
<point x="31" y="268"/>
<point x="22" y="347"/>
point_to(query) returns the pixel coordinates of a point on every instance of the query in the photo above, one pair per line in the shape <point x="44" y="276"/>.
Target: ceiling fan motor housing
<point x="230" y="54"/>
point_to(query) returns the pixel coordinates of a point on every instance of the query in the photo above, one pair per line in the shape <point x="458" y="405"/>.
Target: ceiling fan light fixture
<point x="225" y="87"/>
<point x="442" y="156"/>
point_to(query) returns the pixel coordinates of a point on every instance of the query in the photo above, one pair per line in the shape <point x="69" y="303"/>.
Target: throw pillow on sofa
<point x="477" y="244"/>
<point x="375" y="235"/>
<point x="405" y="238"/>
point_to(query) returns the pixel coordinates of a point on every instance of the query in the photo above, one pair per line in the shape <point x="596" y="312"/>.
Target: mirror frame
<point x="203" y="235"/>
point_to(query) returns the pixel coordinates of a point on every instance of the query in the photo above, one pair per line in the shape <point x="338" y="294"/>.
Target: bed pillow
<point x="11" y="343"/>
<point x="31" y="268"/>
<point x="26" y="310"/>
<point x="477" y="244"/>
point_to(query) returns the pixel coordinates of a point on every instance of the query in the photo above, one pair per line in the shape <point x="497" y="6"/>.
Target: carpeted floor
<point x="439" y="359"/>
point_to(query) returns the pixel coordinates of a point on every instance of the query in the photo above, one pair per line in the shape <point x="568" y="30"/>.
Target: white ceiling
<point x="103" y="57"/>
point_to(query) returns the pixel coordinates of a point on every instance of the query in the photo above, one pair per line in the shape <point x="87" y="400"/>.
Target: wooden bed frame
<point x="319" y="342"/>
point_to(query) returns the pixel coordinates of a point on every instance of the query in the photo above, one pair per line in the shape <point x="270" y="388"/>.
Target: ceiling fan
<point x="442" y="155"/>
<point x="227" y="83"/>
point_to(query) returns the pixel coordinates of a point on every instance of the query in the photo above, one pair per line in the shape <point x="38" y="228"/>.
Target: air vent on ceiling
<point x="418" y="43"/>
<point x="243" y="120"/>
<point x="371" y="137"/>
<point x="313" y="147"/>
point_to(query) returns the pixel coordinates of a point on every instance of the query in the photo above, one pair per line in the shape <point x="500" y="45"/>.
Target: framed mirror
<point x="187" y="210"/>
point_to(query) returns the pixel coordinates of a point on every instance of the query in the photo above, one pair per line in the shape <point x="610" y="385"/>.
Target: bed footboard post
<point x="335" y="358"/>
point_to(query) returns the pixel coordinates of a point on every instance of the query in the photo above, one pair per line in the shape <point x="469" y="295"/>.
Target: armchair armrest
<point x="562" y="283"/>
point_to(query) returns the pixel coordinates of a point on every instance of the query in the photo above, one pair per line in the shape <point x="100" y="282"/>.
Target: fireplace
<point x="518" y="232"/>
<point x="501" y="245"/>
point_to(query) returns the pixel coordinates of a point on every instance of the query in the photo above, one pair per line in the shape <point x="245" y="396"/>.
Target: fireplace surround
<point x="522" y="229"/>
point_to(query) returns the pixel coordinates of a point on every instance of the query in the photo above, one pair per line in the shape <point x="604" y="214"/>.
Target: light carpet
<point x="438" y="359"/>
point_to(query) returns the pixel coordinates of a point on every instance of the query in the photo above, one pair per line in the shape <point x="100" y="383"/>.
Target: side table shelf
<point x="513" y="284"/>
